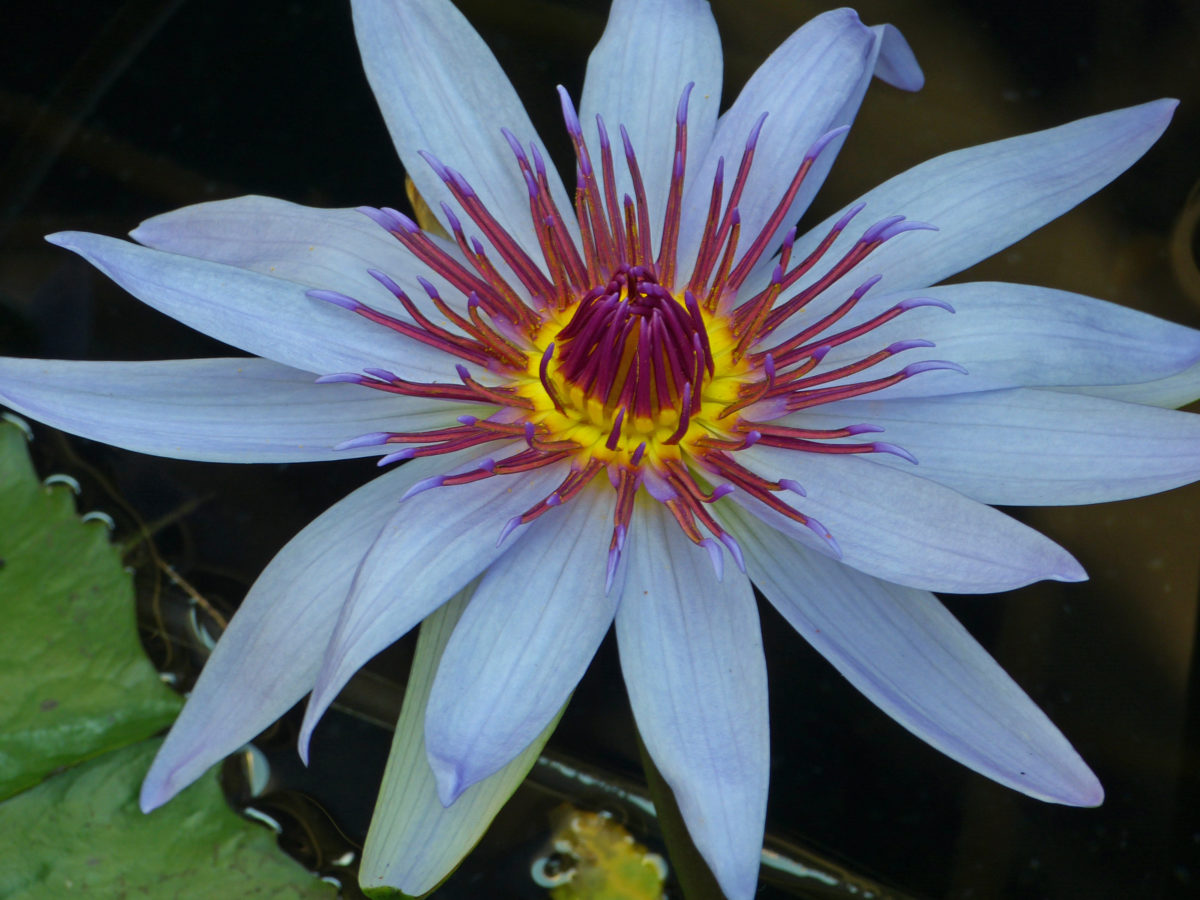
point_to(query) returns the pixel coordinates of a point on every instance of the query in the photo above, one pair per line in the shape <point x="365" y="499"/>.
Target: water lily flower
<point x="624" y="405"/>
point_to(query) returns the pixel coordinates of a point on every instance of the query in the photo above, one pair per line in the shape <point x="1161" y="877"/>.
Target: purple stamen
<point x="374" y="439"/>
<point x="335" y="298"/>
<point x="931" y="365"/>
<point x="884" y="447"/>
<point x="794" y="486"/>
<point x="406" y="453"/>
<point x="901" y="346"/>
<point x="423" y="485"/>
<point x="735" y="550"/>
<point x="915" y="302"/>
<point x="863" y="428"/>
<point x="715" y="557"/>
<point x="823" y="141"/>
<point x="382" y="374"/>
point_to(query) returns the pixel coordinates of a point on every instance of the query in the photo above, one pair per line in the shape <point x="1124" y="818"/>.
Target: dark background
<point x="112" y="112"/>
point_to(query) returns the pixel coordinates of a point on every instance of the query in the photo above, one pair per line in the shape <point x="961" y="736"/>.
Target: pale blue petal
<point x="441" y="90"/>
<point x="266" y="316"/>
<point x="215" y="410"/>
<point x="649" y="51"/>
<point x="897" y="65"/>
<point x="984" y="198"/>
<point x="904" y="528"/>
<point x="330" y="249"/>
<point x="1025" y="447"/>
<point x="904" y="650"/>
<point x="414" y="842"/>
<point x="1178" y="389"/>
<point x="691" y="652"/>
<point x="435" y="542"/>
<point x="1017" y="335"/>
<point x="531" y="629"/>
<point x="268" y="657"/>
<point x="812" y="84"/>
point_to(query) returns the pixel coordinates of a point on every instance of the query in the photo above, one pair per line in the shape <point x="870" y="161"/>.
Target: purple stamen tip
<point x="931" y="365"/>
<point x="539" y="164"/>
<point x="885" y="447"/>
<point x="455" y="224"/>
<point x="752" y="438"/>
<point x="901" y="346"/>
<point x="853" y="211"/>
<point x="569" y="114"/>
<point x="862" y="289"/>
<point x="387" y="282"/>
<point x="602" y="132"/>
<point x="508" y="529"/>
<point x="795" y="487"/>
<point x="721" y="490"/>
<point x="820" y="353"/>
<point x="461" y="182"/>
<point x="423" y="485"/>
<point x="517" y="149"/>
<point x="863" y="428"/>
<point x="900" y="226"/>
<point x="769" y="366"/>
<point x="462" y="372"/>
<point x="681" y="110"/>
<point x="914" y="302"/>
<point x="488" y="465"/>
<point x="735" y="550"/>
<point x="877" y="231"/>
<point x="434" y="163"/>
<point x="614" y="558"/>
<point x="379" y="217"/>
<point x="529" y="434"/>
<point x="374" y="439"/>
<point x="335" y="298"/>
<point x="406" y="453"/>
<point x="715" y="556"/>
<point x="824" y="534"/>
<point x="637" y="454"/>
<point x="752" y="140"/>
<point x="823" y="141"/>
<point x="553" y="500"/>
<point x="348" y="377"/>
<point x="531" y="184"/>
<point x="429" y="288"/>
<point x="468" y="420"/>
<point x="403" y="222"/>
<point x="382" y="374"/>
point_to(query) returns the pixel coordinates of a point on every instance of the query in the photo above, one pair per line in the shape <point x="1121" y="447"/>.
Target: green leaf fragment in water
<point x="73" y="676"/>
<point x="81" y="832"/>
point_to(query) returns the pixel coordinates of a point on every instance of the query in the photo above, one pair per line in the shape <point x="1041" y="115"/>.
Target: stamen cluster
<point x="602" y="354"/>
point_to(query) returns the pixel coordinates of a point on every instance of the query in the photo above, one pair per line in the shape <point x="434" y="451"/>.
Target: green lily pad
<point x="73" y="678"/>
<point x="81" y="832"/>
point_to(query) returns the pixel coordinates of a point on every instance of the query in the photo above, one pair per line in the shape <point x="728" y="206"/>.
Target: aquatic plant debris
<point x="81" y="700"/>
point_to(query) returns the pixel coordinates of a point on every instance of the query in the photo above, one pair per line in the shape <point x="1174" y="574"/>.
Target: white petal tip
<point x="62" y="239"/>
<point x="450" y="783"/>
<point x="156" y="791"/>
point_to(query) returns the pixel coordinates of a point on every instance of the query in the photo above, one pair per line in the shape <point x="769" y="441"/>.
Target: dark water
<point x="111" y="112"/>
